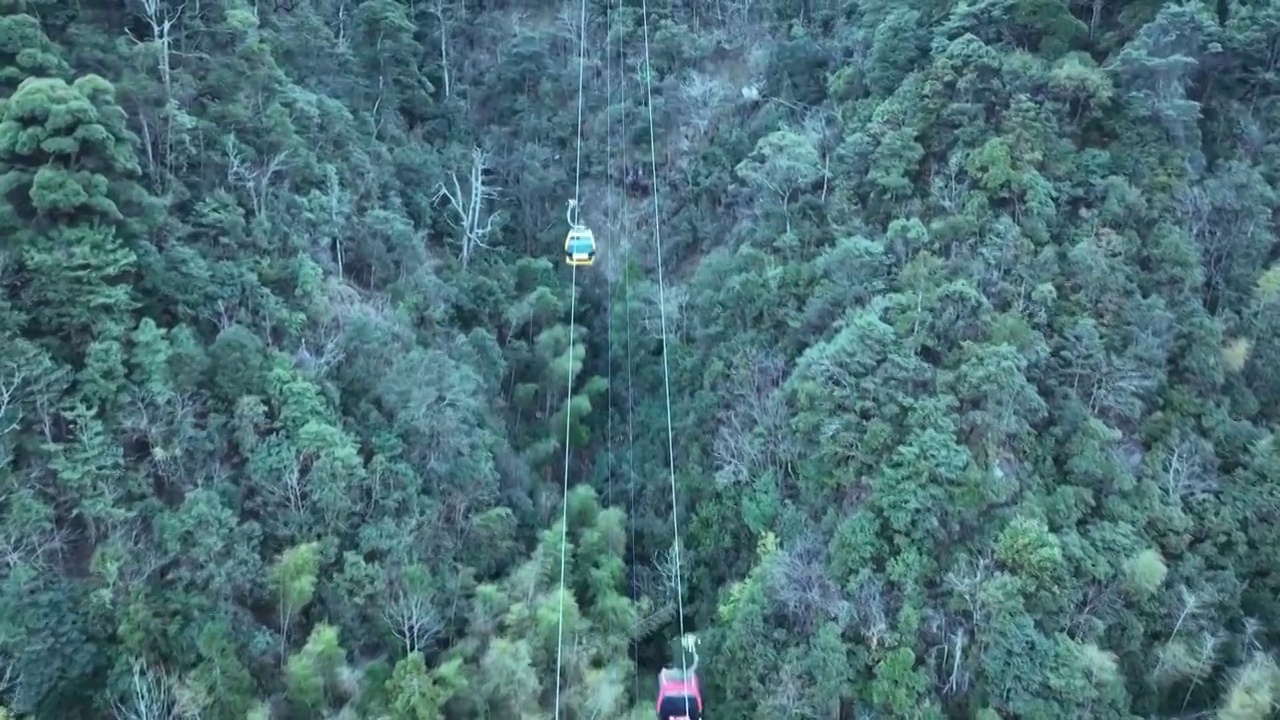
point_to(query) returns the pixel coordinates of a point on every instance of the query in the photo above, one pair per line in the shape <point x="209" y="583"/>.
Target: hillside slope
<point x="971" y="312"/>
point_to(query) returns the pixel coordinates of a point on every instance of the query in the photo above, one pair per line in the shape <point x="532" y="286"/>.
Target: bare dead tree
<point x="161" y="21"/>
<point x="646" y="581"/>
<point x="46" y="413"/>
<point x="148" y="144"/>
<point x="163" y="33"/>
<point x="469" y="207"/>
<point x="870" y="611"/>
<point x="666" y="566"/>
<point x="1117" y="392"/>
<point x="734" y="450"/>
<point x="150" y="697"/>
<point x="34" y="550"/>
<point x="799" y="582"/>
<point x="1190" y="604"/>
<point x="343" y="43"/>
<point x="821" y="126"/>
<point x="702" y="95"/>
<point x="958" y="680"/>
<point x="164" y="421"/>
<point x="1095" y="16"/>
<point x="438" y="10"/>
<point x="1099" y="604"/>
<point x="228" y="314"/>
<point x="9" y="677"/>
<point x="948" y="635"/>
<point x="327" y="355"/>
<point x="255" y="178"/>
<point x="1221" y="226"/>
<point x="656" y="618"/>
<point x="15" y="549"/>
<point x="11" y="379"/>
<point x="752" y="436"/>
<point x="651" y="311"/>
<point x="141" y="560"/>
<point x="1206" y="660"/>
<point x="787" y="698"/>
<point x="1188" y="468"/>
<point x="290" y="489"/>
<point x="328" y="247"/>
<point x="413" y="617"/>
<point x="1253" y="630"/>
<point x="966" y="580"/>
<point x="949" y="184"/>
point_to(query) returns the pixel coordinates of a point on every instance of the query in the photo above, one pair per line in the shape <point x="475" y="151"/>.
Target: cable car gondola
<point x="679" y="696"/>
<point x="580" y="246"/>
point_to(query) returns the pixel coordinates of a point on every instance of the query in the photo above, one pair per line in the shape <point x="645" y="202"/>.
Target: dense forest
<point x="927" y="369"/>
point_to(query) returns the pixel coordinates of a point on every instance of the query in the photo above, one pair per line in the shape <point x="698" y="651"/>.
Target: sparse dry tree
<point x="787" y="700"/>
<point x="438" y="9"/>
<point x="1190" y="604"/>
<point x="735" y="452"/>
<point x="1097" y="606"/>
<point x="289" y="491"/>
<point x="701" y="94"/>
<point x="9" y="677"/>
<point x="138" y="560"/>
<point x="11" y="381"/>
<point x="966" y="579"/>
<point x="1205" y="660"/>
<point x="149" y="696"/>
<point x="326" y="355"/>
<point x="161" y="21"/>
<point x="870" y="611"/>
<point x="752" y="435"/>
<point x="412" y="615"/>
<point x="667" y="567"/>
<point x="254" y="178"/>
<point x="949" y="184"/>
<point x="949" y="637"/>
<point x="469" y="215"/>
<point x="1188" y="468"/>
<point x="797" y="580"/>
<point x="821" y="126"/>
<point x="652" y="306"/>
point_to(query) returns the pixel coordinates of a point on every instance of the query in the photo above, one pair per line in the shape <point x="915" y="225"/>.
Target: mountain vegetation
<point x="927" y="368"/>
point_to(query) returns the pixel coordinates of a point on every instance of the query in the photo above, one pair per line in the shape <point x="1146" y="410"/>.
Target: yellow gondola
<point x="580" y="246"/>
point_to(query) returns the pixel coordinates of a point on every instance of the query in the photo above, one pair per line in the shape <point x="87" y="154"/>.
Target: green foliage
<point x="1145" y="572"/>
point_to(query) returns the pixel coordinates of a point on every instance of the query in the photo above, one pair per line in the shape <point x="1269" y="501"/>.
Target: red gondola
<point x="679" y="695"/>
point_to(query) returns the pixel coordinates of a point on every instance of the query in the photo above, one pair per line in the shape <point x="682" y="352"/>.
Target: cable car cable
<point x="613" y="231"/>
<point x="568" y="401"/>
<point x="626" y="300"/>
<point x="564" y="514"/>
<point x="662" y="308"/>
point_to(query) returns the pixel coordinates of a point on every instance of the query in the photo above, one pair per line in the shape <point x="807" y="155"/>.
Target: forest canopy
<point x="944" y="333"/>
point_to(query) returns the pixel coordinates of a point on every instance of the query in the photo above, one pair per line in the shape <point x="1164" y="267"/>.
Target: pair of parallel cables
<point x="662" y="306"/>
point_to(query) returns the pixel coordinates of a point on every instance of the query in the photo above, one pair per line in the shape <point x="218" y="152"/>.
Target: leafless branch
<point x="798" y="580"/>
<point x="1189" y="468"/>
<point x="11" y="379"/>
<point x="468" y="208"/>
<point x="413" y="617"/>
<point x="255" y="178"/>
<point x="150" y="697"/>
